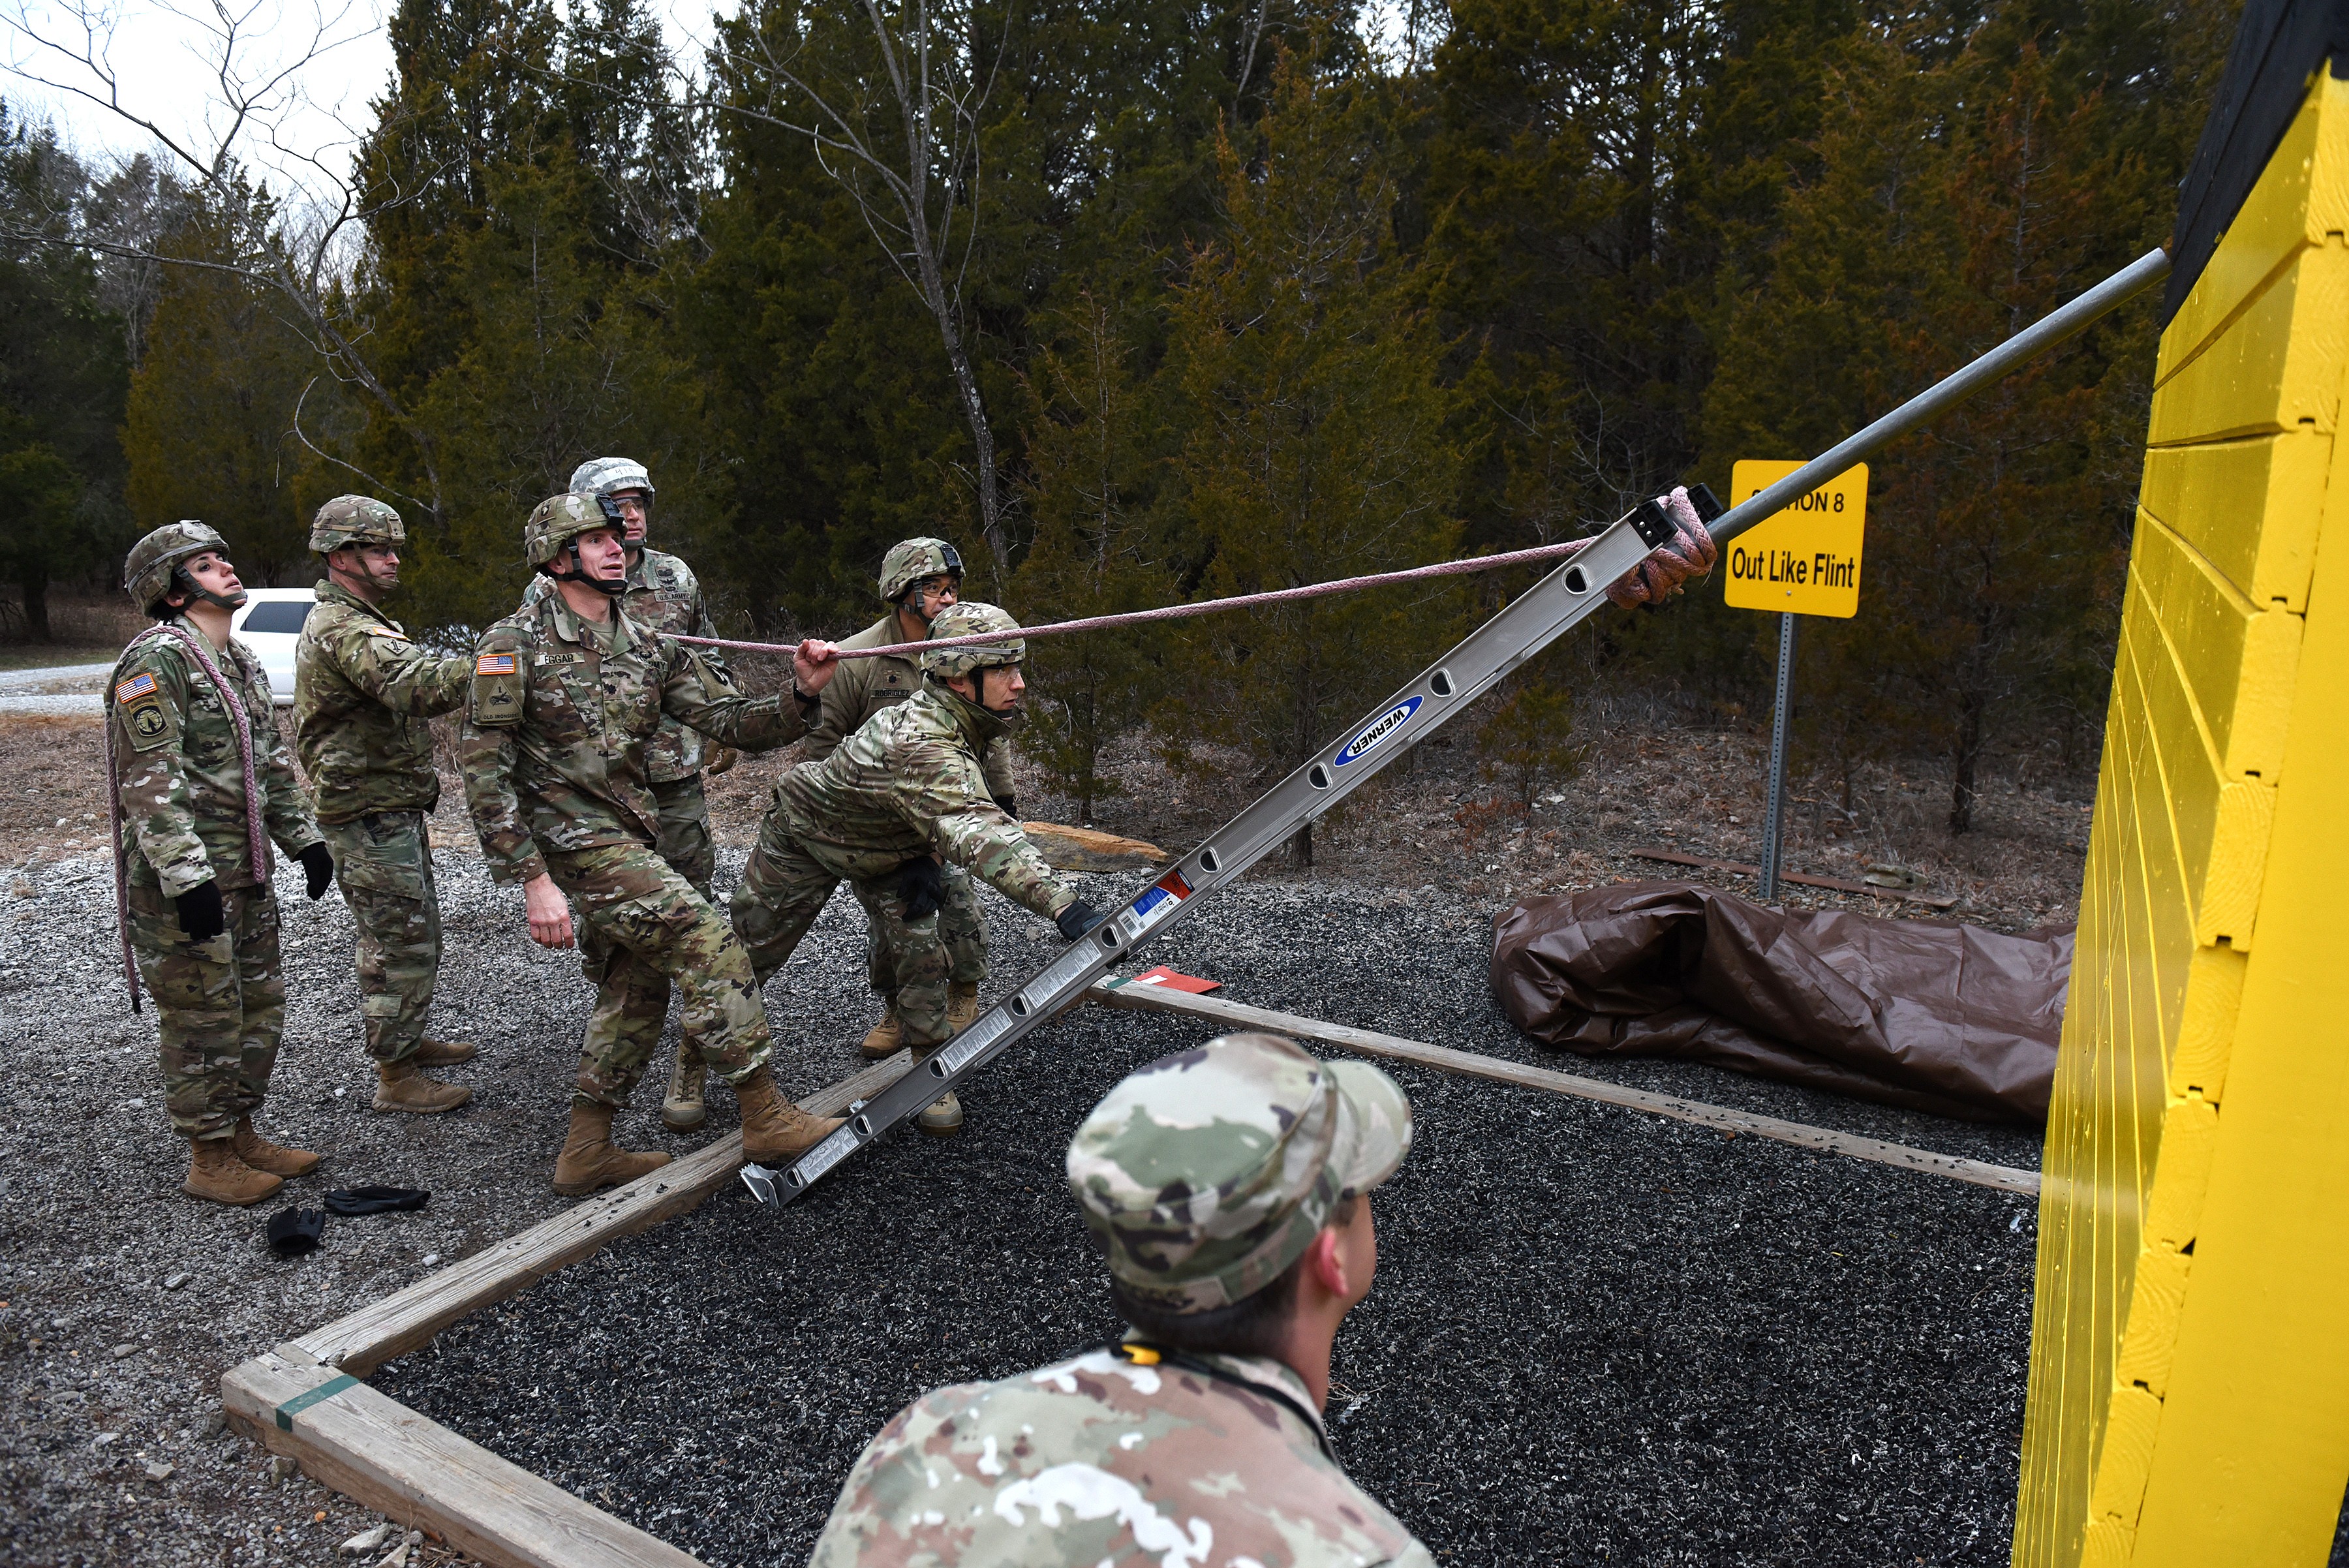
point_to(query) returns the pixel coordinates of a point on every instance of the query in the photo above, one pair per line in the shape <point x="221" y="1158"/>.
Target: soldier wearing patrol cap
<point x="663" y="595"/>
<point x="904" y="796"/>
<point x="1230" y="1188"/>
<point x="202" y="786"/>
<point x="567" y="695"/>
<point x="364" y="695"/>
<point x="921" y="579"/>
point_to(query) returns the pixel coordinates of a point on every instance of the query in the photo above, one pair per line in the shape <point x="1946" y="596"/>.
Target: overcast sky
<point x="162" y="55"/>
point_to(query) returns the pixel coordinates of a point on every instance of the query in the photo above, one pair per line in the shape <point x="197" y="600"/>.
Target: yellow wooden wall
<point x="2189" y="1355"/>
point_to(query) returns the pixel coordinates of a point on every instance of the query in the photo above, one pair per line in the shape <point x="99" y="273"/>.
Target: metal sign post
<point x="1774" y="827"/>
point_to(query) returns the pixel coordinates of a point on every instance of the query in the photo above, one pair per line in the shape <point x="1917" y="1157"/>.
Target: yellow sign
<point x="1803" y="558"/>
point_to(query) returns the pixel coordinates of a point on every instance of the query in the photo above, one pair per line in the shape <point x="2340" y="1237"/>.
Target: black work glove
<point x="1010" y="804"/>
<point x="201" y="914"/>
<point x="319" y="866"/>
<point x="922" y="884"/>
<point x="1078" y="918"/>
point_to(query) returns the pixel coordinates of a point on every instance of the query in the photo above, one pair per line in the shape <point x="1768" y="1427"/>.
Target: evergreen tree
<point x="1314" y="428"/>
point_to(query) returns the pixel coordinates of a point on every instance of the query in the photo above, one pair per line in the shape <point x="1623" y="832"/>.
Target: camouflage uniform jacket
<point x="559" y="717"/>
<point x="362" y="694"/>
<point x="865" y="686"/>
<point x="181" y="777"/>
<point x="908" y="782"/>
<point x="663" y="596"/>
<point x="1097" y="1461"/>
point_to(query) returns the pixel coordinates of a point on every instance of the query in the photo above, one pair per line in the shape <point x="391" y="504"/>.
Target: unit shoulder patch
<point x="139" y="703"/>
<point x="497" y="689"/>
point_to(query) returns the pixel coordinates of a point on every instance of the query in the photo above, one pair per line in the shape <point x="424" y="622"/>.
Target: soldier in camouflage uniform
<point x="1230" y="1188"/>
<point x="921" y="579"/>
<point x="363" y="694"/>
<point x="904" y="796"/>
<point x="201" y="784"/>
<point x="663" y="595"/>
<point x="565" y="696"/>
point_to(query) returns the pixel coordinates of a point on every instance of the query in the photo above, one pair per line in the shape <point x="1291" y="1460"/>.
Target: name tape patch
<point x="137" y="686"/>
<point x="494" y="664"/>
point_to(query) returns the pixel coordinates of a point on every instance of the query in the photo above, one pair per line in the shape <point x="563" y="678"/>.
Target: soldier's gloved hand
<point x="1078" y="918"/>
<point x="319" y="867"/>
<point x="922" y="884"/>
<point x="726" y="758"/>
<point x="201" y="914"/>
<point x="1690" y="552"/>
<point x="1010" y="803"/>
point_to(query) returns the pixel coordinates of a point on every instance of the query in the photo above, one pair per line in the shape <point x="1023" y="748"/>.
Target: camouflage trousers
<point x="682" y="812"/>
<point x="383" y="862"/>
<point x="790" y="878"/>
<point x="643" y="928"/>
<point x="221" y="1003"/>
<point x="961" y="929"/>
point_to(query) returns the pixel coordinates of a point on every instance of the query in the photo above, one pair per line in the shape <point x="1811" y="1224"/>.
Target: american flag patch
<point x="494" y="664"/>
<point x="137" y="686"/>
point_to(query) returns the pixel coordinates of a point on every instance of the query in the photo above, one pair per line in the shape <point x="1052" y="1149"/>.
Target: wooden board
<point x="421" y="1475"/>
<point x="400" y="1322"/>
<point x="1834" y="885"/>
<point x="1367" y="1042"/>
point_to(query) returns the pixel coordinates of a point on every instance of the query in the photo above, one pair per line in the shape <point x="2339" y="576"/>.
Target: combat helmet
<point x="909" y="562"/>
<point x="601" y="478"/>
<point x="153" y="562"/>
<point x="356" y="520"/>
<point x="553" y="531"/>
<point x="972" y="619"/>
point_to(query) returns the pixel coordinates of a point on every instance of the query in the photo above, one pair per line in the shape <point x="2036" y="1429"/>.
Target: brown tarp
<point x="1929" y="1014"/>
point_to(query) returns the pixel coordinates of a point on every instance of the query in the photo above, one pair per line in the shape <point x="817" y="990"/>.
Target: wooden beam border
<point x="305" y="1398"/>
<point x="1143" y="998"/>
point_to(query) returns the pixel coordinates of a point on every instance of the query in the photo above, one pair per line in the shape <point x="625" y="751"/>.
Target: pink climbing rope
<point x="256" y="836"/>
<point x="1534" y="557"/>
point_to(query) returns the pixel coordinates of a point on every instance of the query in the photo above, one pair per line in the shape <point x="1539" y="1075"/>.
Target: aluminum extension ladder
<point x="1536" y="619"/>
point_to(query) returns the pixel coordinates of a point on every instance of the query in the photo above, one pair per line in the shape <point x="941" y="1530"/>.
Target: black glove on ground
<point x="1078" y="918"/>
<point x="921" y="882"/>
<point x="320" y="867"/>
<point x="201" y="914"/>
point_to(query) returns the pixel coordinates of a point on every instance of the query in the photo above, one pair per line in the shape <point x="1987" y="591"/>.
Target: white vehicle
<point x="268" y="625"/>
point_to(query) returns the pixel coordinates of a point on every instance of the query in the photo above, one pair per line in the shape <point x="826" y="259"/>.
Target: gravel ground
<point x="1704" y="1287"/>
<point x="1596" y="1337"/>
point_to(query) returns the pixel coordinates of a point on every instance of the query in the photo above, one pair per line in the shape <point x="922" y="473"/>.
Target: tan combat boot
<point x="262" y="1154"/>
<point x="775" y="1130"/>
<point x="590" y="1161"/>
<point x="885" y="1038"/>
<point x="215" y="1172"/>
<point x="403" y="1086"/>
<point x="444" y="1052"/>
<point x="942" y="1117"/>
<point x="962" y="1004"/>
<point x="681" y="1107"/>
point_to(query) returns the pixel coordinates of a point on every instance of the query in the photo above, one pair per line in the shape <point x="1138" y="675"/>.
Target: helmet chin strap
<point x="611" y="587"/>
<point x="185" y="582"/>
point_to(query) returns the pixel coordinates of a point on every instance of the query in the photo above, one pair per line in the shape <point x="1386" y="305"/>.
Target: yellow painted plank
<point x="2252" y="1451"/>
<point x="2160" y="1295"/>
<point x="2206" y="1030"/>
<point x="2249" y="507"/>
<point x="2236" y="658"/>
<point x="2277" y="218"/>
<point x="2275" y="367"/>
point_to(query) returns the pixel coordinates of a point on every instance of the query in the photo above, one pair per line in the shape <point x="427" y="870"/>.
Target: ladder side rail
<point x="1524" y="627"/>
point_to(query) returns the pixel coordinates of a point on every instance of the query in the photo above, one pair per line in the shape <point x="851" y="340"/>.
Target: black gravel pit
<point x="1595" y="1336"/>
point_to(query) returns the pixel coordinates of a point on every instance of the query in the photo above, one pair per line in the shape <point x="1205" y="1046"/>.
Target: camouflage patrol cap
<point x="356" y="520"/>
<point x="1207" y="1173"/>
<point x="600" y="478"/>
<point x="910" y="561"/>
<point x="147" y="570"/>
<point x="555" y="521"/>
<point x="972" y="619"/>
